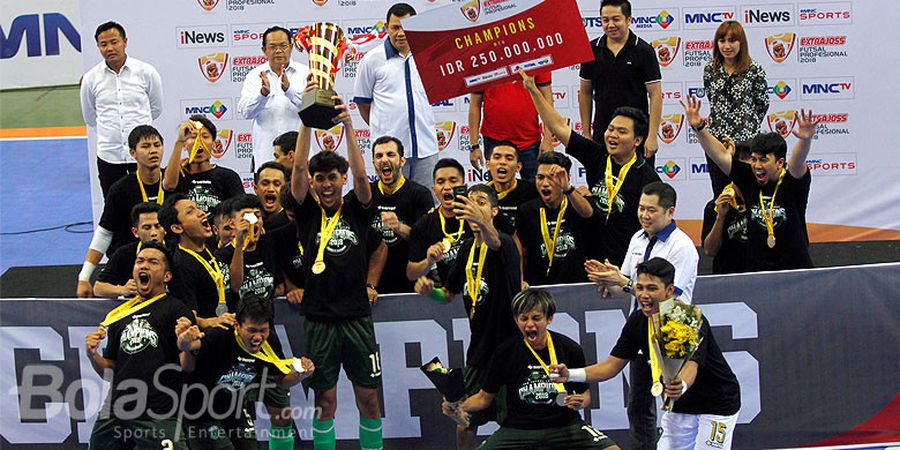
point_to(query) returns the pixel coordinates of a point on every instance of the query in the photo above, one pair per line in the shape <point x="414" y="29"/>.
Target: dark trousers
<point x="641" y="407"/>
<point x="109" y="173"/>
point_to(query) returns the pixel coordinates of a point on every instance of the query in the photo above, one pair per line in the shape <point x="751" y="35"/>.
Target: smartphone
<point x="459" y="191"/>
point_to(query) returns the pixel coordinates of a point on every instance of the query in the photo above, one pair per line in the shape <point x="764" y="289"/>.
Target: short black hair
<point x="742" y="150"/>
<point x="243" y="201"/>
<point x="400" y="10"/>
<point x="274" y="29"/>
<point x="168" y="215"/>
<point x="665" y="192"/>
<point x="257" y="309"/>
<point x="624" y="4"/>
<point x="384" y="140"/>
<point x="208" y="124"/>
<point x="768" y="143"/>
<point x="287" y="198"/>
<point x="491" y="193"/>
<point x="287" y="141"/>
<point x="106" y="26"/>
<point x="162" y="249"/>
<point x="657" y="267"/>
<point x="448" y="162"/>
<point x="641" y="125"/>
<point x="557" y="158"/>
<point x="222" y="210"/>
<point x="505" y="143"/>
<point x="533" y="299"/>
<point x="269" y="165"/>
<point x="324" y="162"/>
<point x="143" y="208"/>
<point x="140" y="133"/>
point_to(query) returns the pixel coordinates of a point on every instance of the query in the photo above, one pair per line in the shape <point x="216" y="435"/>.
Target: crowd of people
<point x="201" y="261"/>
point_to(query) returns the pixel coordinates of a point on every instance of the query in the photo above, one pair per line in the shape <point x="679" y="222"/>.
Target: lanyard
<point x="128" y="308"/>
<point x="267" y="354"/>
<point x="198" y="144"/>
<point x="500" y="195"/>
<point x="655" y="357"/>
<point x="612" y="189"/>
<point x="553" y="360"/>
<point x="399" y="185"/>
<point x="212" y="270"/>
<point x="327" y="229"/>
<point x="545" y="231"/>
<point x="769" y="215"/>
<point x="449" y="239"/>
<point x="159" y="195"/>
<point x="729" y="189"/>
<point x="473" y="281"/>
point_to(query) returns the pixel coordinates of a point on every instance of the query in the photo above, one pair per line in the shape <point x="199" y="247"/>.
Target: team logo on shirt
<point x="779" y="46"/>
<point x="239" y="376"/>
<point x="537" y="389"/>
<point x="387" y="234"/>
<point x="208" y="4"/>
<point x="137" y="336"/>
<point x="257" y="281"/>
<point x="341" y="240"/>
<point x="670" y="127"/>
<point x="565" y="242"/>
<point x="212" y="66"/>
<point x="601" y="197"/>
<point x="445" y="132"/>
<point x="782" y="122"/>
<point x="223" y="142"/>
<point x="471" y="10"/>
<point x="779" y="213"/>
<point x="329" y="140"/>
<point x="666" y="49"/>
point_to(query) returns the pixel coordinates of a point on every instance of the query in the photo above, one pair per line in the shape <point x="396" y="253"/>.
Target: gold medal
<point x="657" y="389"/>
<point x="298" y="366"/>
<point x="318" y="267"/>
<point x="771" y="241"/>
<point x="446" y="245"/>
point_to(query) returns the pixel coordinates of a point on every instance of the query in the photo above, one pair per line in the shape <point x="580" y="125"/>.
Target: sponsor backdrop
<point x="822" y="382"/>
<point x="40" y="43"/>
<point x="817" y="55"/>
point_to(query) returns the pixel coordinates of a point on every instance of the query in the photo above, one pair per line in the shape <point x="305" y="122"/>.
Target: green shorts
<point x="350" y="344"/>
<point x="229" y="433"/>
<point x="273" y="396"/>
<point x="578" y="435"/>
<point x="112" y="433"/>
<point x="473" y="377"/>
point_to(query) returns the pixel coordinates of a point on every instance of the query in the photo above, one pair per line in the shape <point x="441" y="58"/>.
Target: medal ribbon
<point x="553" y="360"/>
<point x="612" y="189"/>
<point x="729" y="189"/>
<point x="267" y="354"/>
<point x="545" y="231"/>
<point x="655" y="360"/>
<point x="128" y="308"/>
<point x="159" y="196"/>
<point x="198" y="144"/>
<point x="447" y="236"/>
<point x="399" y="184"/>
<point x="212" y="270"/>
<point x="769" y="216"/>
<point x="327" y="229"/>
<point x="500" y="195"/>
<point x="473" y="281"/>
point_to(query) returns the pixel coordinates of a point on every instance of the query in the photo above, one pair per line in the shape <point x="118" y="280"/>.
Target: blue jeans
<point x="527" y="156"/>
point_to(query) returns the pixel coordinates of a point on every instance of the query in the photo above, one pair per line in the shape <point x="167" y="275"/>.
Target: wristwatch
<point x="570" y="190"/>
<point x="371" y="286"/>
<point x="474" y="147"/>
<point x="628" y="287"/>
<point x="700" y="128"/>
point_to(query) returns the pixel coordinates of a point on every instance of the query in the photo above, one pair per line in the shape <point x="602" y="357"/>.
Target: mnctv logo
<point x="212" y="66"/>
<point x="700" y="18"/>
<point x="779" y="46"/>
<point x="666" y="49"/>
<point x="832" y="88"/>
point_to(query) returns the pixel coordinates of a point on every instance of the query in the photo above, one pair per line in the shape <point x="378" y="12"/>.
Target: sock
<point x="370" y="434"/>
<point x="281" y="438"/>
<point x="323" y="434"/>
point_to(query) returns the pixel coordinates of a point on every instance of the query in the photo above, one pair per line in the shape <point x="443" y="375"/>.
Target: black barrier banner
<point x="815" y="352"/>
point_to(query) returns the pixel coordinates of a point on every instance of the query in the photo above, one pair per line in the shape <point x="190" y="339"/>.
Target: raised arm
<point x="654" y="92"/>
<point x="361" y="186"/>
<point x="300" y="171"/>
<point x="476" y="157"/>
<point x="716" y="151"/>
<point x="806" y="129"/>
<point x="173" y="170"/>
<point x="586" y="107"/>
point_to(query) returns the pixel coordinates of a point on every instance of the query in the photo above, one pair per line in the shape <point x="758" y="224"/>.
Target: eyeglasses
<point x="274" y="47"/>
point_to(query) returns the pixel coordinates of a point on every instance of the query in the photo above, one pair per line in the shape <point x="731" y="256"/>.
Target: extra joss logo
<point x="471" y="10"/>
<point x="779" y="46"/>
<point x="782" y="122"/>
<point x="212" y="66"/>
<point x="223" y="142"/>
<point x="445" y="132"/>
<point x="208" y="5"/>
<point x="329" y="140"/>
<point x="666" y="49"/>
<point x="814" y="48"/>
<point x="670" y="127"/>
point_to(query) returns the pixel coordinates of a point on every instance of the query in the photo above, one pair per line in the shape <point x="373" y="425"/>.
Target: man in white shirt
<point x="117" y="95"/>
<point x="270" y="96"/>
<point x="392" y="100"/>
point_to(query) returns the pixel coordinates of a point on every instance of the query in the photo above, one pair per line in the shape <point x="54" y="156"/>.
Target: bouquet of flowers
<point x="448" y="382"/>
<point x="677" y="332"/>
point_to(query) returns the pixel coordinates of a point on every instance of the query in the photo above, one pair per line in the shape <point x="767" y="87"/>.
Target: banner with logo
<point x="817" y="55"/>
<point x="831" y="381"/>
<point x="469" y="48"/>
<point x="40" y="43"/>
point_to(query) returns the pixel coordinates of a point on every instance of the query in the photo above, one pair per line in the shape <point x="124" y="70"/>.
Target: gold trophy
<point x="326" y="45"/>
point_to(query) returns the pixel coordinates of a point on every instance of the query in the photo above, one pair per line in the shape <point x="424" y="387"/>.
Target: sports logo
<point x="780" y="46"/>
<point x="781" y="89"/>
<point x="223" y="142"/>
<point x="471" y="10"/>
<point x="329" y="140"/>
<point x="782" y="122"/>
<point x="670" y="169"/>
<point x="213" y="65"/>
<point x="208" y="4"/>
<point x="664" y="19"/>
<point x="666" y="49"/>
<point x="670" y="127"/>
<point x="445" y="132"/>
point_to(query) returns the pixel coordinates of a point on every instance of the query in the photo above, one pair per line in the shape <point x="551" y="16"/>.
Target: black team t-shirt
<point x="276" y="220"/>
<point x="116" y="216"/>
<point x="120" y="267"/>
<point x="732" y="255"/>
<point x="410" y="202"/>
<point x="610" y="238"/>
<point x="141" y="345"/>
<point x="338" y="293"/>
<point x="288" y="254"/>
<point x="791" y="249"/>
<point x="490" y="315"/>
<point x="208" y="189"/>
<point x="569" y="256"/>
<point x="192" y="284"/>
<point x="715" y="390"/>
<point x="531" y="396"/>
<point x="427" y="232"/>
<point x="510" y="203"/>
<point x="261" y="273"/>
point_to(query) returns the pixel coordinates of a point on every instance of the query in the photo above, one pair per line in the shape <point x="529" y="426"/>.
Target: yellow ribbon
<point x="447" y="236"/>
<point x="159" y="196"/>
<point x="729" y="189"/>
<point x="769" y="216"/>
<point x="502" y="194"/>
<point x="198" y="144"/>
<point x="399" y="184"/>
<point x="559" y="386"/>
<point x="212" y="270"/>
<point x="612" y="189"/>
<point x="327" y="229"/>
<point x="128" y="308"/>
<point x="267" y="354"/>
<point x="473" y="282"/>
<point x="653" y="343"/>
<point x="545" y="231"/>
